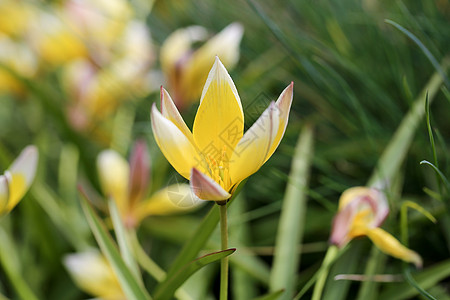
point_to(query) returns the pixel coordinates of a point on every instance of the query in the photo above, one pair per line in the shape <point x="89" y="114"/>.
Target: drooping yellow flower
<point x="94" y="275"/>
<point x="216" y="156"/>
<point x="186" y="69"/>
<point x="127" y="184"/>
<point x="361" y="212"/>
<point x="17" y="179"/>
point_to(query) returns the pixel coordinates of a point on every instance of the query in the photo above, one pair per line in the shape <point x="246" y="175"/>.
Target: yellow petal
<point x="390" y="245"/>
<point x="4" y="193"/>
<point x="92" y="273"/>
<point x="171" y="113"/>
<point x="173" y="199"/>
<point x="175" y="146"/>
<point x="252" y="150"/>
<point x="219" y="123"/>
<point x="21" y="174"/>
<point x="114" y="174"/>
<point x="205" y="188"/>
<point x="224" y="45"/>
<point x="283" y="105"/>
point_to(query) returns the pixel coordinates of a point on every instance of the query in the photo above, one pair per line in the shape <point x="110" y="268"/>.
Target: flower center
<point x="217" y="168"/>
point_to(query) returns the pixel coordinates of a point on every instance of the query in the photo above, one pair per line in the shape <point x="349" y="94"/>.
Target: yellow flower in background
<point x="216" y="156"/>
<point x="97" y="91"/>
<point x="361" y="211"/>
<point x="127" y="183"/>
<point x="17" y="179"/>
<point x="18" y="58"/>
<point x="93" y="274"/>
<point x="53" y="40"/>
<point x="15" y="17"/>
<point x="186" y="69"/>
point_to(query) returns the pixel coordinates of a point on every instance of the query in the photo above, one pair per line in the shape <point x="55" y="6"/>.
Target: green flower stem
<point x="324" y="270"/>
<point x="224" y="261"/>
<point x="9" y="263"/>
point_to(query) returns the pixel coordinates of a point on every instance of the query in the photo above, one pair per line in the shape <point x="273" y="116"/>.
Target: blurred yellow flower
<point x="216" y="156"/>
<point x="97" y="90"/>
<point x="17" y="179"/>
<point x="361" y="212"/>
<point x="18" y="58"/>
<point x="127" y="184"/>
<point x="94" y="275"/>
<point x="15" y="17"/>
<point x="186" y="69"/>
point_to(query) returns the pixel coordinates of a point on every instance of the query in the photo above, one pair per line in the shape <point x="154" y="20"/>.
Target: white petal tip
<point x="205" y="188"/>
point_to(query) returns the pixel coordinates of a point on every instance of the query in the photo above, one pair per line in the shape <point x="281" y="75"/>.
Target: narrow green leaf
<point x="439" y="173"/>
<point x="123" y="240"/>
<point x="395" y="152"/>
<point x="412" y="282"/>
<point x="426" y="279"/>
<point x="424" y="49"/>
<point x="130" y="286"/>
<point x="292" y="219"/>
<point x="11" y="267"/>
<point x="271" y="296"/>
<point x="201" y="235"/>
<point x="166" y="289"/>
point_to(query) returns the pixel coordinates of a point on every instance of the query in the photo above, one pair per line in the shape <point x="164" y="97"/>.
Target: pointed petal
<point x="205" y="188"/>
<point x="175" y="146"/>
<point x="176" y="198"/>
<point x="390" y="245"/>
<point x="342" y="223"/>
<point x="171" y="113"/>
<point x="252" y="150"/>
<point x="114" y="173"/>
<point x="219" y="123"/>
<point x="92" y="273"/>
<point x="21" y="175"/>
<point x="139" y="172"/>
<point x="283" y="104"/>
<point x="4" y="193"/>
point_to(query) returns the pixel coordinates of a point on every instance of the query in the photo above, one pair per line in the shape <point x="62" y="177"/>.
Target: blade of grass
<point x="11" y="267"/>
<point x="244" y="286"/>
<point x="426" y="279"/>
<point x="292" y="219"/>
<point x="129" y="284"/>
<point x="167" y="288"/>
<point x="424" y="49"/>
<point x="271" y="296"/>
<point x="123" y="240"/>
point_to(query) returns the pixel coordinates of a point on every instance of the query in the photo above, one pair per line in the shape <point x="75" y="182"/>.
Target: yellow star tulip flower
<point x="127" y="183"/>
<point x="361" y="212"/>
<point x="186" y="68"/>
<point x="216" y="156"/>
<point x="93" y="274"/>
<point x="17" y="179"/>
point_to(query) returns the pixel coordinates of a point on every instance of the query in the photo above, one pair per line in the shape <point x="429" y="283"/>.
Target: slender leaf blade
<point x="166" y="289"/>
<point x="130" y="286"/>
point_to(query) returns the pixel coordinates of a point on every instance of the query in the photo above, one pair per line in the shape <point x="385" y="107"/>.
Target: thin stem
<point x="322" y="276"/>
<point x="224" y="261"/>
